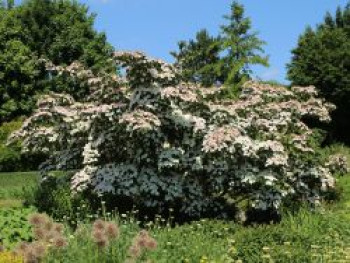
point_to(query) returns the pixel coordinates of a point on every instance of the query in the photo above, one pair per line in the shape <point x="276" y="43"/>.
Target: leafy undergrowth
<point x="14" y="226"/>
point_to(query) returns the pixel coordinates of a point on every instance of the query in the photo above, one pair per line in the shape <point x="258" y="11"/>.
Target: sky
<point x="155" y="26"/>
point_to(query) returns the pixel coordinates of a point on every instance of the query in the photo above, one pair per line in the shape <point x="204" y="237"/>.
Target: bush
<point x="151" y="142"/>
<point x="55" y="198"/>
<point x="11" y="158"/>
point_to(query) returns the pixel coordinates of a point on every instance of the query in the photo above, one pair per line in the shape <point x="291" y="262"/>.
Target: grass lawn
<point x="13" y="187"/>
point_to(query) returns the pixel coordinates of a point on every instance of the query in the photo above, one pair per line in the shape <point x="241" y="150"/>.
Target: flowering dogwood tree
<point x="161" y="143"/>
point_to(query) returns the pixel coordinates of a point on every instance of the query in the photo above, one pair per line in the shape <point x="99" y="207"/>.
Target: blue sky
<point x="155" y="26"/>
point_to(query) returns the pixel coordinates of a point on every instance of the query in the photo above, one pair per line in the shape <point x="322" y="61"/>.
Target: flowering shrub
<point x="160" y="143"/>
<point x="338" y="164"/>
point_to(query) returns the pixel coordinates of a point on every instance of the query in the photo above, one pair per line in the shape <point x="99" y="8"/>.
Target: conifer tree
<point x="322" y="58"/>
<point x="225" y="59"/>
<point x="197" y="58"/>
<point x="243" y="47"/>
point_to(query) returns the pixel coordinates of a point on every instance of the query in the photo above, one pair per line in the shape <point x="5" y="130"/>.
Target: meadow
<point x="304" y="236"/>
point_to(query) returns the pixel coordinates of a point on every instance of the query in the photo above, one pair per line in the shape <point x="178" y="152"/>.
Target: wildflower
<point x="48" y="225"/>
<point x="37" y="219"/>
<point x="38" y="249"/>
<point x="22" y="247"/>
<point x="141" y="242"/>
<point x="112" y="230"/>
<point x="30" y="257"/>
<point x="102" y="242"/>
<point x="135" y="251"/>
<point x="99" y="225"/>
<point x="39" y="233"/>
<point x="58" y="228"/>
<point x="143" y="233"/>
<point x="151" y="244"/>
<point x="98" y="235"/>
<point x="51" y="235"/>
<point x="32" y="252"/>
<point x="60" y="242"/>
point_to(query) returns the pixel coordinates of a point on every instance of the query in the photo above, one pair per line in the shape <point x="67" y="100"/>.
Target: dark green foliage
<point x="63" y="32"/>
<point x="60" y="31"/>
<point x="55" y="198"/>
<point x="18" y="70"/>
<point x="242" y="46"/>
<point x="197" y="59"/>
<point x="322" y="58"/>
<point x="11" y="158"/>
<point x="225" y="59"/>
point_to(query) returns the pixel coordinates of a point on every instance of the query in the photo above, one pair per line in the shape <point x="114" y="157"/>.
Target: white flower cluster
<point x="164" y="144"/>
<point x="338" y="164"/>
<point x="220" y="138"/>
<point x="143" y="71"/>
<point x="140" y="119"/>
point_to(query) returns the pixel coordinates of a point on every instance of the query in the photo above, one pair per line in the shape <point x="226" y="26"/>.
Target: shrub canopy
<point x="160" y="143"/>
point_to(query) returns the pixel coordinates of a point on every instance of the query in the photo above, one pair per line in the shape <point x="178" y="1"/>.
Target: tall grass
<point x="12" y="185"/>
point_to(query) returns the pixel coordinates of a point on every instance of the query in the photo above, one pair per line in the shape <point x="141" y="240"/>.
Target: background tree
<point x="18" y="69"/>
<point x="322" y="58"/>
<point x="226" y="58"/>
<point x="10" y="4"/>
<point x="197" y="58"/>
<point x="242" y="48"/>
<point x="63" y="32"/>
<point x="7" y="4"/>
<point x="60" y="31"/>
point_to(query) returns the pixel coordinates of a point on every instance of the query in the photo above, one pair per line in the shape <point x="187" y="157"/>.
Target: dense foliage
<point x="155" y="143"/>
<point x="11" y="158"/>
<point x="61" y="31"/>
<point x="197" y="59"/>
<point x="322" y="58"/>
<point x="225" y="59"/>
